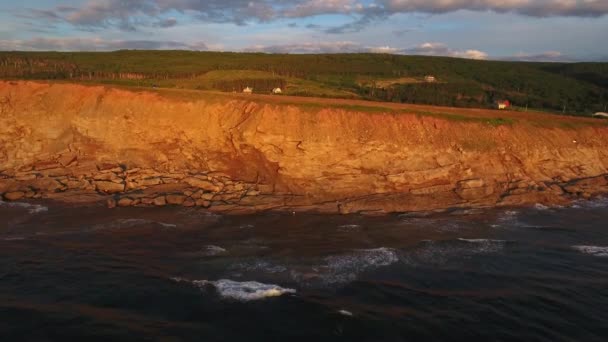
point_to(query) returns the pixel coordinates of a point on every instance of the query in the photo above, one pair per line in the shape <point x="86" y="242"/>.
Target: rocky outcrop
<point x="228" y="153"/>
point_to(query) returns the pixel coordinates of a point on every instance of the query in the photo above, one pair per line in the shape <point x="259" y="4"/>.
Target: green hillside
<point x="580" y="88"/>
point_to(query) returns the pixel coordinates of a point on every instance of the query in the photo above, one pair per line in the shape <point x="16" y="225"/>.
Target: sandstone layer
<point x="244" y="154"/>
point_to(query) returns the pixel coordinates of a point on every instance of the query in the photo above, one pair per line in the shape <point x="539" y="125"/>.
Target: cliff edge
<point x="234" y="153"/>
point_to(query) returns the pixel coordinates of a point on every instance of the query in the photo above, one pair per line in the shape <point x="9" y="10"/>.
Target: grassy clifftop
<point x="580" y="88"/>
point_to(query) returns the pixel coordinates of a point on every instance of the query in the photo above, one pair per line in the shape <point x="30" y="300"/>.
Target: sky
<point x="534" y="30"/>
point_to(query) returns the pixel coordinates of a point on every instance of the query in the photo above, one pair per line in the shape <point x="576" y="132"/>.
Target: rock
<point x="202" y="184"/>
<point x="30" y="194"/>
<point x="197" y="194"/>
<point x="433" y="189"/>
<point x="77" y="184"/>
<point x="471" y="183"/>
<point x="45" y="184"/>
<point x="147" y="201"/>
<point x="189" y="202"/>
<point x="203" y="203"/>
<point x="125" y="202"/>
<point x="176" y="199"/>
<point x="25" y="176"/>
<point x="160" y="201"/>
<point x="188" y="193"/>
<point x="207" y="196"/>
<point x="109" y="167"/>
<point x="252" y="192"/>
<point x="109" y="187"/>
<point x="67" y="159"/>
<point x="14" y="196"/>
<point x="108" y="176"/>
<point x="148" y="182"/>
<point x="46" y="165"/>
<point x="111" y="203"/>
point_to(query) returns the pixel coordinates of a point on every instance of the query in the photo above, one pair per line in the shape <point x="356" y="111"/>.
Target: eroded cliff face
<point x="74" y="142"/>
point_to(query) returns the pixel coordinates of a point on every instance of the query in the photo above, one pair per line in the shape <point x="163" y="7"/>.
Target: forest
<point x="569" y="88"/>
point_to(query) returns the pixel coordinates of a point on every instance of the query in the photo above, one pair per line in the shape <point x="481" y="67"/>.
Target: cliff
<point x="235" y="153"/>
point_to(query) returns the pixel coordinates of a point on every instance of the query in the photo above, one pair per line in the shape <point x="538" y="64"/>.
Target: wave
<point x="345" y="313"/>
<point x="31" y="208"/>
<point x="14" y="238"/>
<point x="349" y="227"/>
<point x="597" y="203"/>
<point x="241" y="291"/>
<point x="597" y="251"/>
<point x="130" y="223"/>
<point x="450" y="251"/>
<point x="482" y="241"/>
<point x="212" y="250"/>
<point x="343" y="269"/>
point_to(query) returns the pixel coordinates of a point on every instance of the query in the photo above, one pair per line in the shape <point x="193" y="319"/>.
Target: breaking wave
<point x="597" y="251"/>
<point x="31" y="208"/>
<point x="211" y="250"/>
<point x="241" y="291"/>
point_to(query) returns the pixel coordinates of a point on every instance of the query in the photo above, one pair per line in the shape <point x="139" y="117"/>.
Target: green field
<point x="575" y="88"/>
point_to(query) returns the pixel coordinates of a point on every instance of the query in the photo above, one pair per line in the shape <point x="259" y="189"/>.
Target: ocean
<point x="184" y="274"/>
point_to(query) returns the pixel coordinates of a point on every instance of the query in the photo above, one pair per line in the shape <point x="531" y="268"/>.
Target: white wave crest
<point x="31" y="208"/>
<point x="211" y="250"/>
<point x="348" y="227"/>
<point x="241" y="291"/>
<point x="597" y="251"/>
<point x="345" y="313"/>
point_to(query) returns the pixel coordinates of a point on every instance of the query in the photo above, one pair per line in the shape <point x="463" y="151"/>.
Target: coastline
<point x="92" y="144"/>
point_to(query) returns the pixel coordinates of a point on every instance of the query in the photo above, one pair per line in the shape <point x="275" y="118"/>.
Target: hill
<point x="572" y="88"/>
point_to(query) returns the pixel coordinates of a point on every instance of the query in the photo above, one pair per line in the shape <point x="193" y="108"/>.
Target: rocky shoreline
<point x="71" y="178"/>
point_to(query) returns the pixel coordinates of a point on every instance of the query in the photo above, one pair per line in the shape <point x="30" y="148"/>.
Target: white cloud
<point x="440" y="49"/>
<point x="95" y="44"/>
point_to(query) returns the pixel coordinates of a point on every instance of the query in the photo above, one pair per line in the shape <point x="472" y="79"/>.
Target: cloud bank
<point x="130" y="14"/>
<point x="95" y="44"/>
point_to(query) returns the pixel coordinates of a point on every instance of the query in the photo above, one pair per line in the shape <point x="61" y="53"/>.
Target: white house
<point x="430" y="78"/>
<point x="277" y="91"/>
<point x="248" y="90"/>
<point x="601" y="115"/>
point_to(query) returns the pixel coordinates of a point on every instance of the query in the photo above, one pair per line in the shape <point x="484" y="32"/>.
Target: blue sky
<point x="552" y="30"/>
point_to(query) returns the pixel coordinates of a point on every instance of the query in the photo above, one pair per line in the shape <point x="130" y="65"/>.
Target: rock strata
<point x="104" y="143"/>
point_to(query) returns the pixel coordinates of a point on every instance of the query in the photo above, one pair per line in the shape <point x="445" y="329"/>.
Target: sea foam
<point x="597" y="251"/>
<point x="241" y="291"/>
<point x="31" y="208"/>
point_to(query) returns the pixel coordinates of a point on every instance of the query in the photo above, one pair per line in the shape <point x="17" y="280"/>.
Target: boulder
<point x="189" y="202"/>
<point x="203" y="203"/>
<point x="176" y="199"/>
<point x="160" y="201"/>
<point x="109" y="187"/>
<point x="125" y="202"/>
<point x="14" y="196"/>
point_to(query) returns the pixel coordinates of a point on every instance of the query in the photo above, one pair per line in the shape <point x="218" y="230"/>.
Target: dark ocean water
<point x="171" y="274"/>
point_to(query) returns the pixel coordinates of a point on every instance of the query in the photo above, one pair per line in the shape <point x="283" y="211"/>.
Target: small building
<point x="277" y="91"/>
<point x="601" y="115"/>
<point x="248" y="90"/>
<point x="430" y="79"/>
<point x="503" y="104"/>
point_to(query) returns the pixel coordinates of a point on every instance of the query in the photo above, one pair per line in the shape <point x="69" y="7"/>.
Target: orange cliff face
<point x="232" y="153"/>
